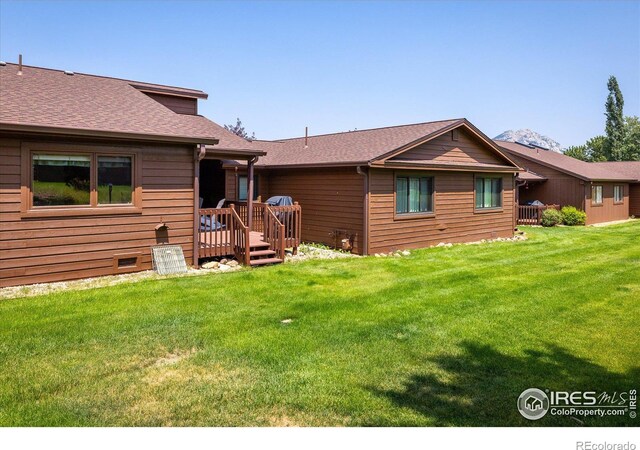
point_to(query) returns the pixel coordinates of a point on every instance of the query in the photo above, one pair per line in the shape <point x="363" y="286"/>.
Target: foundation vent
<point x="168" y="259"/>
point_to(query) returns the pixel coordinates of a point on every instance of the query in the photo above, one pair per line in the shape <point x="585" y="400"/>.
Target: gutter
<point x="90" y="133"/>
<point x="365" y="234"/>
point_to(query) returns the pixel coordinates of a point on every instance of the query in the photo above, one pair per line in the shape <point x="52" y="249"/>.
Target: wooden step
<point x="259" y="262"/>
<point x="261" y="245"/>
<point x="262" y="253"/>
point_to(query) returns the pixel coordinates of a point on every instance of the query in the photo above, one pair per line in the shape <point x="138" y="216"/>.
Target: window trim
<point x="415" y="215"/>
<point x="593" y="197"/>
<point x="492" y="209"/>
<point x="618" y="202"/>
<point x="28" y="210"/>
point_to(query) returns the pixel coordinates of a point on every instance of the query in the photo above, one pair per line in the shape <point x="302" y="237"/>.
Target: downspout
<point x="200" y="153"/>
<point x="365" y="235"/>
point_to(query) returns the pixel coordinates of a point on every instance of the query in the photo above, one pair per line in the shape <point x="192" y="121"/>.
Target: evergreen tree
<point x="631" y="143"/>
<point x="238" y="130"/>
<point x="614" y="126"/>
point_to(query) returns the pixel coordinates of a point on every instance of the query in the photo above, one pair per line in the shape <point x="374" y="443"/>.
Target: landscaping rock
<point x="233" y="263"/>
<point x="406" y="253"/>
<point x="224" y="261"/>
<point x="211" y="265"/>
<point x="224" y="268"/>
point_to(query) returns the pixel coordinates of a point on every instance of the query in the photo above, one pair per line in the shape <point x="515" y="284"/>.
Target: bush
<point x="551" y="218"/>
<point x="573" y="216"/>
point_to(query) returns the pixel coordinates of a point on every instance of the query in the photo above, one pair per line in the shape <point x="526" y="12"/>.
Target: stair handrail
<point x="274" y="232"/>
<point x="240" y="237"/>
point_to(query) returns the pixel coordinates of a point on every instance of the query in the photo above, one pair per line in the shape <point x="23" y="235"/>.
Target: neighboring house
<point x="553" y="178"/>
<point x="95" y="170"/>
<point x="628" y="169"/>
<point x="384" y="189"/>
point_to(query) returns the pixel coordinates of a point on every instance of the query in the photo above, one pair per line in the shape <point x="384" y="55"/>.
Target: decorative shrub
<point x="551" y="218"/>
<point x="573" y="216"/>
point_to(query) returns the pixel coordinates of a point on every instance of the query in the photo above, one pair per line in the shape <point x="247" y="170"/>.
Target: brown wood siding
<point x="64" y="248"/>
<point x="467" y="149"/>
<point x="455" y="219"/>
<point x="331" y="199"/>
<point x="608" y="211"/>
<point x="634" y="200"/>
<point x="180" y="105"/>
<point x="560" y="188"/>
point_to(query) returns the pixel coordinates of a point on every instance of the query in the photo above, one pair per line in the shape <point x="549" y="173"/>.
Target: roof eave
<point x="107" y="134"/>
<point x="453" y="168"/>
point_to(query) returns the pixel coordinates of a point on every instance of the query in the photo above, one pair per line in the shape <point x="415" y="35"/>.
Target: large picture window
<point x="488" y="192"/>
<point x="61" y="180"/>
<point x="414" y="195"/>
<point x="242" y="187"/>
<point x="596" y="195"/>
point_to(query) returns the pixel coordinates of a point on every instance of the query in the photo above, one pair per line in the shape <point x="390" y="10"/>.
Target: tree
<point x="631" y="143"/>
<point x="591" y="151"/>
<point x="614" y="127"/>
<point x="577" y="152"/>
<point x="239" y="130"/>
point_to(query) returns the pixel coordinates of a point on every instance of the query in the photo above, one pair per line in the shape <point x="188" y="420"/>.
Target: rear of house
<point x="380" y="190"/>
<point x="631" y="170"/>
<point x="555" y="179"/>
<point x="95" y="170"/>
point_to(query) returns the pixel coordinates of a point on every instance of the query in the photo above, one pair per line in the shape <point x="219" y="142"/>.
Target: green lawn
<point x="446" y="336"/>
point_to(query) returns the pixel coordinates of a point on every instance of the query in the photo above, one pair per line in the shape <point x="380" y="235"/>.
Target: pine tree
<point x="239" y="130"/>
<point x="614" y="126"/>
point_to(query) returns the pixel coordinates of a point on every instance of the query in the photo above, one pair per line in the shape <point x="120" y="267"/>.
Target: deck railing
<point x="216" y="231"/>
<point x="532" y="214"/>
<point x="258" y="214"/>
<point x="291" y="218"/>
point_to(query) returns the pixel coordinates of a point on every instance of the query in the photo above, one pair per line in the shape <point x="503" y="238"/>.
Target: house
<point x="554" y="178"/>
<point x="628" y="169"/>
<point x="400" y="187"/>
<point x="96" y="170"/>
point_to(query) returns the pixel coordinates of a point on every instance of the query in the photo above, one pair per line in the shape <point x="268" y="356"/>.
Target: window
<point x="596" y="195"/>
<point x="114" y="180"/>
<point x="242" y="187"/>
<point x="414" y="195"/>
<point x="618" y="193"/>
<point x="78" y="180"/>
<point x="61" y="180"/>
<point x="454" y="135"/>
<point x="488" y="192"/>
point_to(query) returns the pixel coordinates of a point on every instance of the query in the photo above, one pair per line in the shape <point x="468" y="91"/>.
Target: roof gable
<point x="457" y="145"/>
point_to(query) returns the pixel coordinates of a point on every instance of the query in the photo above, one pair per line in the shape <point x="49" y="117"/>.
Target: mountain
<point x="530" y="137"/>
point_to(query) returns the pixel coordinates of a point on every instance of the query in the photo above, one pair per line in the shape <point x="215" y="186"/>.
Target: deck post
<point x="250" y="194"/>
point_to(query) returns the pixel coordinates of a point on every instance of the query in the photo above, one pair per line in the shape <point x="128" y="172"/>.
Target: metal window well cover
<point x="168" y="259"/>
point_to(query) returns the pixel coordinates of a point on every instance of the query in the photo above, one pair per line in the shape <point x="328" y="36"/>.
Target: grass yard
<point x="446" y="336"/>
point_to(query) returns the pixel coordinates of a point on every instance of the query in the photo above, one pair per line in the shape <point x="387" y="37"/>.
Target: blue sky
<point x="335" y="66"/>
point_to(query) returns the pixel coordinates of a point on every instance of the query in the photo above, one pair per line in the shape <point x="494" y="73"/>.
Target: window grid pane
<point x="402" y="205"/>
<point x="414" y="195"/>
<point x="488" y="192"/>
<point x="114" y="180"/>
<point x="61" y="180"/>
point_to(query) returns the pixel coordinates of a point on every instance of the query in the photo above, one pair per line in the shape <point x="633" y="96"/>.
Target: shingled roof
<point x="355" y="147"/>
<point x="566" y="164"/>
<point x="630" y="169"/>
<point x="54" y="102"/>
